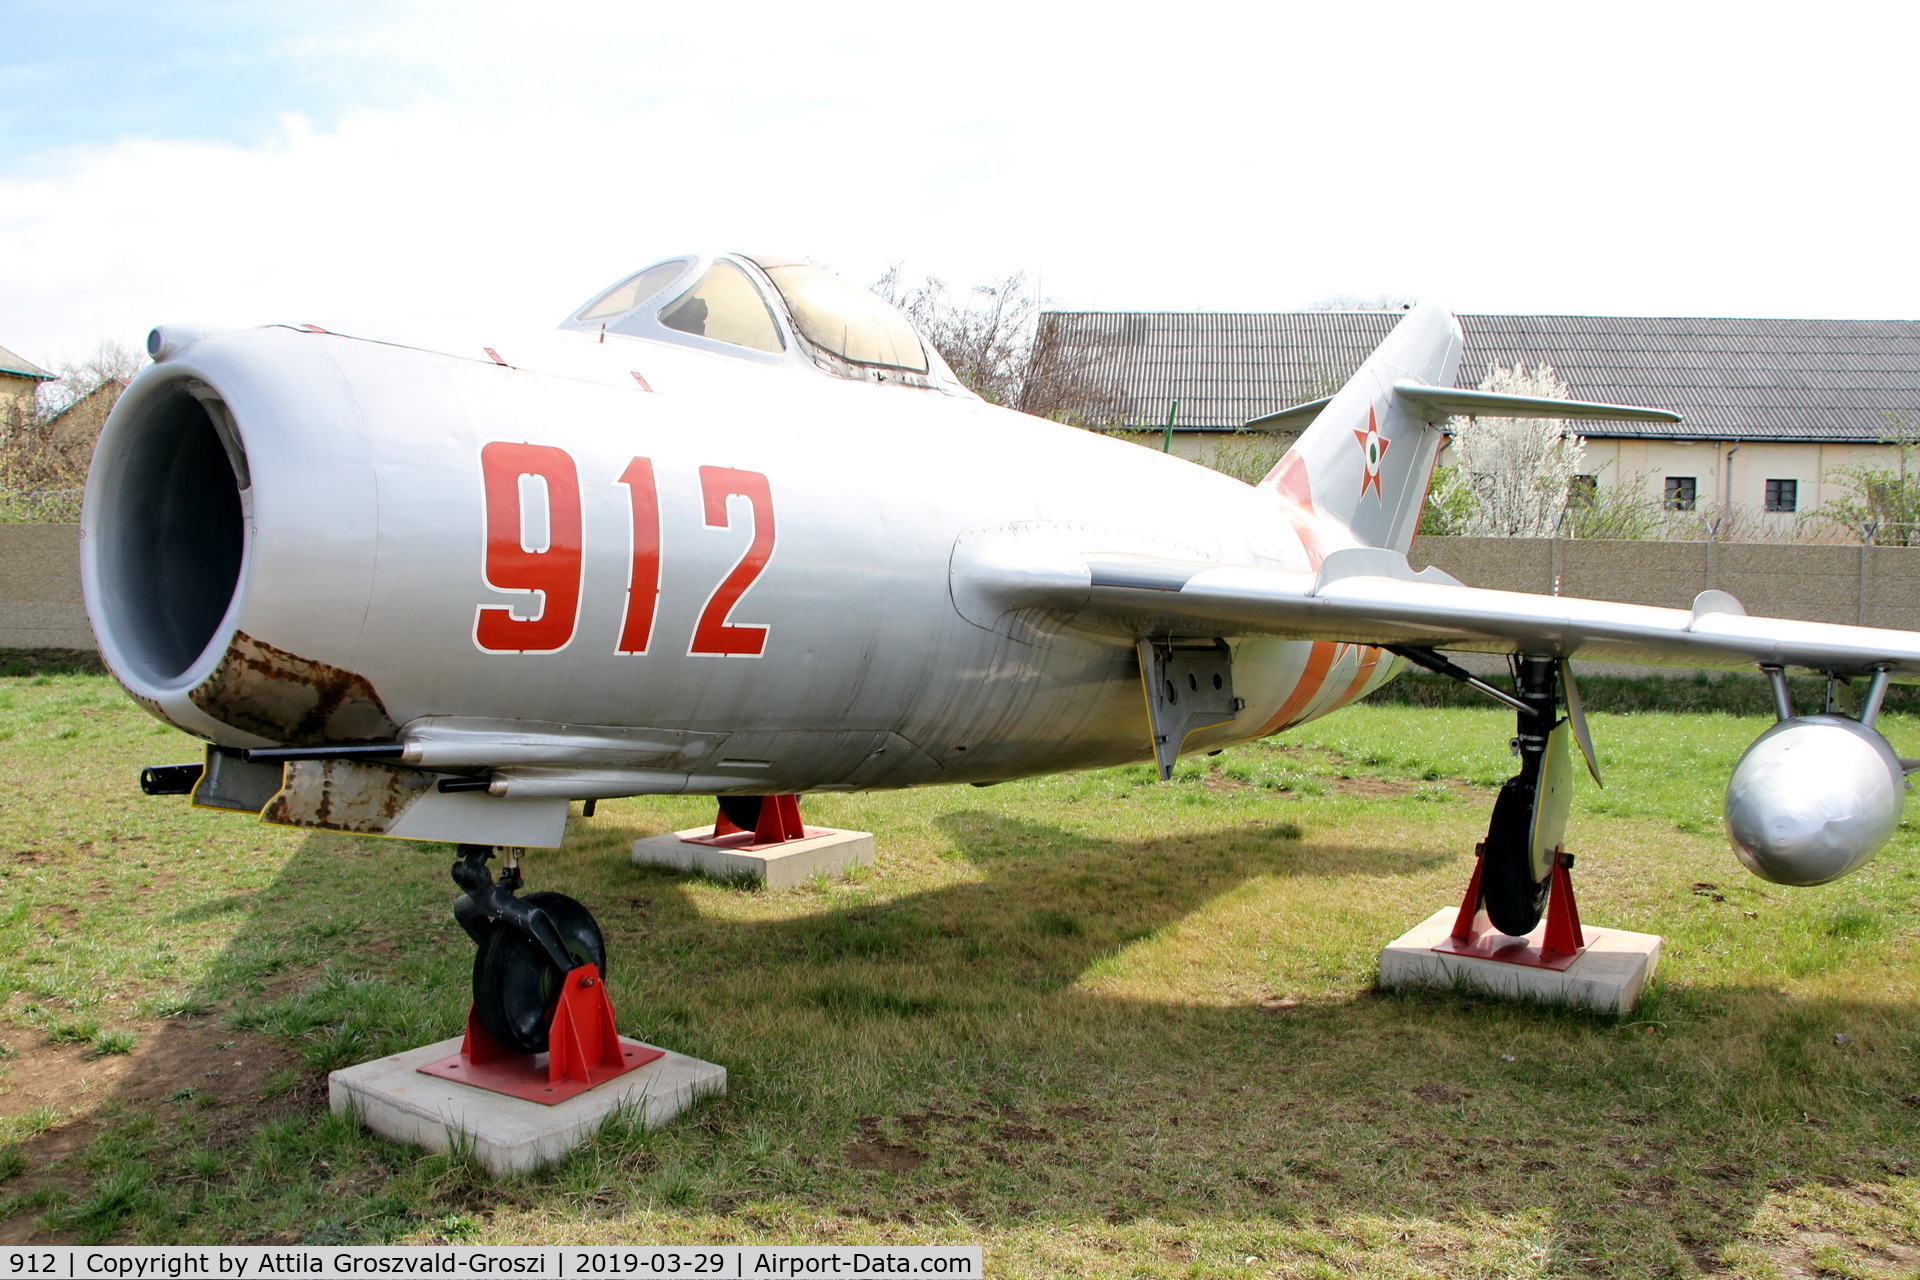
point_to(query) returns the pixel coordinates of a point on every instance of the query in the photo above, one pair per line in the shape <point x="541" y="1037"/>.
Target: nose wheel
<point x="515" y="985"/>
<point x="526" y="948"/>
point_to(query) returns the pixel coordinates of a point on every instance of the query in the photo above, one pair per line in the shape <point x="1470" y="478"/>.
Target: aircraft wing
<point x="1369" y="595"/>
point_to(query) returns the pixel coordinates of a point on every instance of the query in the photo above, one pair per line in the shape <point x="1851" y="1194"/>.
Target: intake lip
<point x="165" y="531"/>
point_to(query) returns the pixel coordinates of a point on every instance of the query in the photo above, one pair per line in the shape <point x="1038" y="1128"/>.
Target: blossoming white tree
<point x="1517" y="469"/>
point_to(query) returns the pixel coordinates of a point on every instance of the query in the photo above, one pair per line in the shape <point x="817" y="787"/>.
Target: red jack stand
<point x="1564" y="939"/>
<point x="779" y="823"/>
<point x="584" y="1050"/>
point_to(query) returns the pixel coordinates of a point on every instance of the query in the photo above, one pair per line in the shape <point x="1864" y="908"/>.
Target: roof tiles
<point x="1728" y="377"/>
<point x="21" y="367"/>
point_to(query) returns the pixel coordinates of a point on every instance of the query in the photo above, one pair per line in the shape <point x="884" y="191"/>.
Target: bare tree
<point x="985" y="334"/>
<point x="1001" y="346"/>
<point x="46" y="441"/>
<point x="1621" y="509"/>
<point x="109" y="363"/>
<point x="1385" y="301"/>
<point x="1064" y="379"/>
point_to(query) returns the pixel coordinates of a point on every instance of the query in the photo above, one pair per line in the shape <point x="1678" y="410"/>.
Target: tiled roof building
<point x="18" y="377"/>
<point x="1818" y="394"/>
<point x="1730" y="378"/>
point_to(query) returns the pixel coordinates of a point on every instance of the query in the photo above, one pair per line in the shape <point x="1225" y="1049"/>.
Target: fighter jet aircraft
<point x="736" y="530"/>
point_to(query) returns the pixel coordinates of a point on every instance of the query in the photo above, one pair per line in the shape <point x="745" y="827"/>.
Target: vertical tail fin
<point x="1367" y="458"/>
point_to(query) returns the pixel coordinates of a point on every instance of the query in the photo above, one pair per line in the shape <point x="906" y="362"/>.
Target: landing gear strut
<point x="526" y="948"/>
<point x="1530" y="815"/>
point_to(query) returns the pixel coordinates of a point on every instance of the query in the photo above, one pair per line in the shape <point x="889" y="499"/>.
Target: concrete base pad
<point x="1609" y="975"/>
<point x="776" y="866"/>
<point x="508" y="1134"/>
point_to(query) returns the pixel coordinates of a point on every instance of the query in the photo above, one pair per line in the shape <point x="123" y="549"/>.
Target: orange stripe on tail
<point x="1360" y="677"/>
<point x="1313" y="677"/>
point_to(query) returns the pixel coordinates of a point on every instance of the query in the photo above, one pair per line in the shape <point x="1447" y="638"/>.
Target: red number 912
<point x="546" y="557"/>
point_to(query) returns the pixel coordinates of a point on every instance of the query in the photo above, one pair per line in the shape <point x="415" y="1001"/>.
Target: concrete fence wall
<point x="40" y="604"/>
<point x="1870" y="586"/>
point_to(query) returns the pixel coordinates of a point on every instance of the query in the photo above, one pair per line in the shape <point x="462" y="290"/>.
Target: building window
<point x="1581" y="490"/>
<point x="1783" y="495"/>
<point x="1680" y="492"/>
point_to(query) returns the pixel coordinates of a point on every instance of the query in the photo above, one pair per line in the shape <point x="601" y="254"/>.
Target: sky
<point x="411" y="168"/>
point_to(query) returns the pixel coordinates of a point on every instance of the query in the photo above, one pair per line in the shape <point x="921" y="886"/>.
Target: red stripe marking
<point x="495" y="354"/>
<point x="1360" y="678"/>
<point x="1312" y="679"/>
<point x="1290" y="478"/>
<point x="642" y="381"/>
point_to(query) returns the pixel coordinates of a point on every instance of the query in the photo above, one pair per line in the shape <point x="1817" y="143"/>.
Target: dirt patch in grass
<point x="196" y="1065"/>
<point x="883" y="1157"/>
<point x="1341" y="774"/>
<point x="917" y="1123"/>
<point x="1371" y="787"/>
<point x="178" y="1061"/>
<point x="1361" y="786"/>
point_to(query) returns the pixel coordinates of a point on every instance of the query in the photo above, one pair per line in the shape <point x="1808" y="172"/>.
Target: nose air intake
<point x="165" y="506"/>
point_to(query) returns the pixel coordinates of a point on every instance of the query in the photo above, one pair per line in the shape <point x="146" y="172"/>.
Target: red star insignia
<point x="1373" y="448"/>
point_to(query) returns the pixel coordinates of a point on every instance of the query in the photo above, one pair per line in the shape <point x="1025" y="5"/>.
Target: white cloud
<point x="527" y="155"/>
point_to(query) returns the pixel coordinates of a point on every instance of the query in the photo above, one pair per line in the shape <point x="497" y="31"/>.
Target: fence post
<point x="1867" y="529"/>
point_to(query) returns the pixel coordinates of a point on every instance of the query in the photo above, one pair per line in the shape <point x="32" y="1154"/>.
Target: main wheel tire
<point x="1514" y="899"/>
<point x="742" y="811"/>
<point x="515" y="986"/>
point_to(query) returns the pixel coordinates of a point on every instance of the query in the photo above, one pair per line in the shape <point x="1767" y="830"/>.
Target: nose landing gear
<point x="539" y="991"/>
<point x="526" y="948"/>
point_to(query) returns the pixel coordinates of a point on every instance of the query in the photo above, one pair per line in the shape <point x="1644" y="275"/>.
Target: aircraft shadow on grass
<point x="1048" y="904"/>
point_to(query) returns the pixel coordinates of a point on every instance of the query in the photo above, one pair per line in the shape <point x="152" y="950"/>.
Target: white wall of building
<point x="1729" y="472"/>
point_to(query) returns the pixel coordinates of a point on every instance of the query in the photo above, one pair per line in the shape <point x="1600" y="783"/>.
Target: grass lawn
<point x="1098" y="1024"/>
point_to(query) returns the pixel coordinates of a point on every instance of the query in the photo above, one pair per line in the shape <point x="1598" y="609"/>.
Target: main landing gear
<point x="1522" y="870"/>
<point x="541" y="1027"/>
<point x="1530" y="815"/>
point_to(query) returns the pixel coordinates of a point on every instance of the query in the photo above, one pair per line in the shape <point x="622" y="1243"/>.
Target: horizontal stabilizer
<point x="1445" y="402"/>
<point x="1295" y="419"/>
<point x="1437" y="404"/>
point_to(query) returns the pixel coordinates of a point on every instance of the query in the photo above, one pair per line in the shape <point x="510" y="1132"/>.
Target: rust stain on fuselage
<point x="362" y="797"/>
<point x="290" y="699"/>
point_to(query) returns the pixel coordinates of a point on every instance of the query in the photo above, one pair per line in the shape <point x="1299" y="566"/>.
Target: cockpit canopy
<point x="772" y="310"/>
